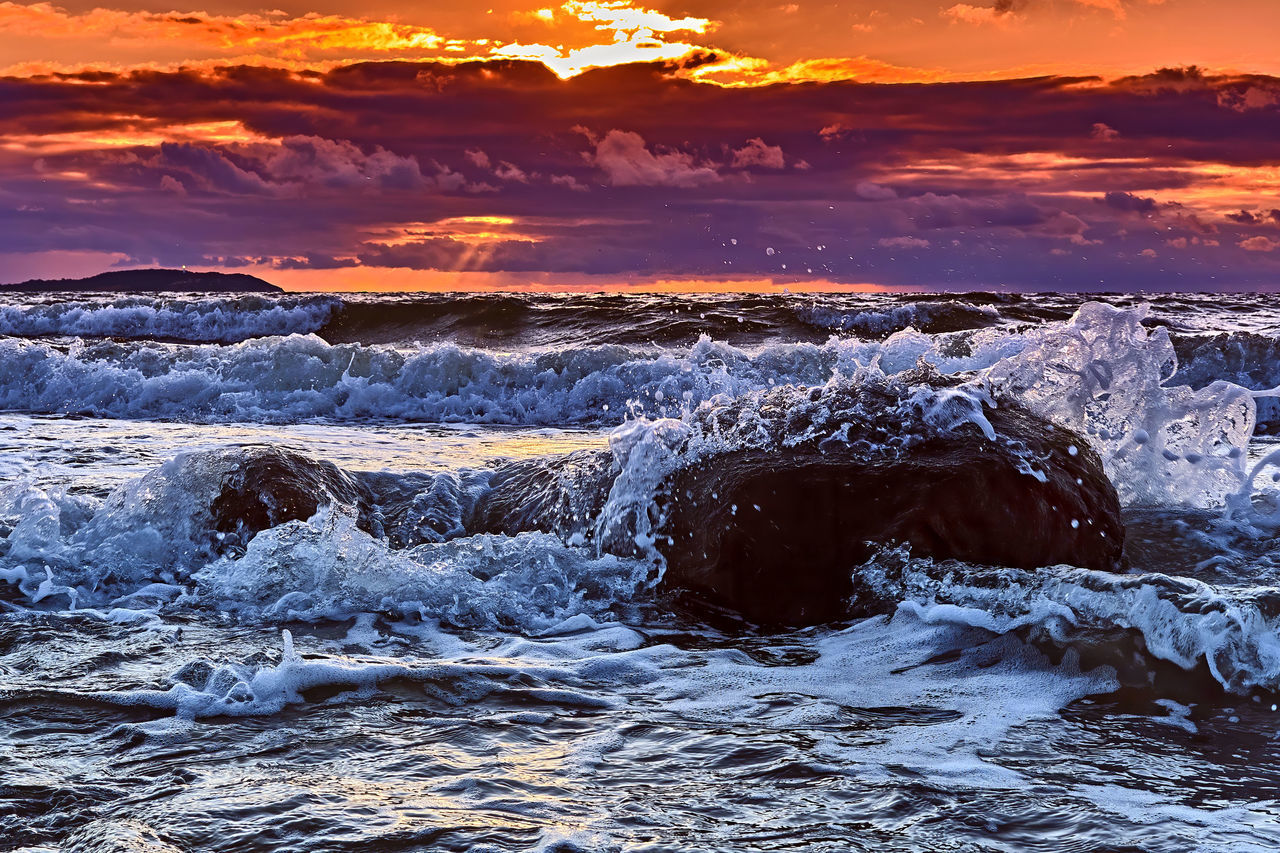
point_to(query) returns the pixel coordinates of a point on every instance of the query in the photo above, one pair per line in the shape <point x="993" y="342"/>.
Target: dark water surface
<point x="318" y="688"/>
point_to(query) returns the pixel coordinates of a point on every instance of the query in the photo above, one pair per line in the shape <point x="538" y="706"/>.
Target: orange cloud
<point x="619" y="31"/>
<point x="272" y="32"/>
<point x="965" y="13"/>
<point x="391" y="165"/>
<point x="1115" y="7"/>
<point x="751" y="71"/>
<point x="143" y="134"/>
<point x="1259" y="244"/>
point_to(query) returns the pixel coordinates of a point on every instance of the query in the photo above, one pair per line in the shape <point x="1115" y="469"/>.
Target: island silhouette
<point x="148" y="281"/>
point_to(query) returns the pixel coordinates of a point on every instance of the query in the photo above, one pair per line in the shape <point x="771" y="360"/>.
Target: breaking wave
<point x="202" y="320"/>
<point x="155" y="542"/>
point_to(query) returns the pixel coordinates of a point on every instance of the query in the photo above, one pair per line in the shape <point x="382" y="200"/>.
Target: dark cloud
<point x="638" y="171"/>
<point x="211" y="168"/>
<point x="1259" y="217"/>
<point x="932" y="211"/>
<point x="1129" y="202"/>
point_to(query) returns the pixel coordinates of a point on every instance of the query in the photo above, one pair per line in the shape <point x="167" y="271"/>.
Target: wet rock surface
<point x="267" y="486"/>
<point x="774" y="531"/>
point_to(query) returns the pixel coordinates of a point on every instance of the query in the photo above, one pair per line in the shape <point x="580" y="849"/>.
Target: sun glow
<point x="473" y="230"/>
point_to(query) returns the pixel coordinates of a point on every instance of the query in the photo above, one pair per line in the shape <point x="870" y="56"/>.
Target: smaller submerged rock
<point x="266" y="486"/>
<point x="260" y="487"/>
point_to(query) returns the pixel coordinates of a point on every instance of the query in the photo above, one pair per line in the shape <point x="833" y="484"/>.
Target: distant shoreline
<point x="148" y="281"/>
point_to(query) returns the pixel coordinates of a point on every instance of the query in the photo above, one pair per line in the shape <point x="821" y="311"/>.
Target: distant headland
<point x="148" y="281"/>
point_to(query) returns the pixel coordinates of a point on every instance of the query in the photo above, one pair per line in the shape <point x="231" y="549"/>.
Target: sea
<point x="316" y="687"/>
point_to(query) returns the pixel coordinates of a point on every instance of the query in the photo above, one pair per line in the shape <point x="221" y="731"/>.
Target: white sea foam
<point x="1103" y="375"/>
<point x="231" y="689"/>
<point x="980" y="685"/>
<point x="225" y="320"/>
<point x="328" y="568"/>
<point x="1234" y="633"/>
<point x="645" y="453"/>
<point x="956" y="352"/>
<point x="885" y="695"/>
<point x="298" y="378"/>
<point x="151" y="545"/>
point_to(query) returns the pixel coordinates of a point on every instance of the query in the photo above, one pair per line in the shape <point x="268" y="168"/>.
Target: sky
<point x="1001" y="144"/>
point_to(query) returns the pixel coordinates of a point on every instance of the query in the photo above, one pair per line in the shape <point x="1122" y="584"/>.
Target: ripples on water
<point x="520" y="762"/>
<point x="148" y="718"/>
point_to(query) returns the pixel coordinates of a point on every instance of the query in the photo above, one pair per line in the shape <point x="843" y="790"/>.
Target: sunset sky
<point x="1029" y="144"/>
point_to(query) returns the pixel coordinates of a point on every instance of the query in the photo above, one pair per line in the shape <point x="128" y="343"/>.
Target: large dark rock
<point x="816" y="480"/>
<point x="776" y="534"/>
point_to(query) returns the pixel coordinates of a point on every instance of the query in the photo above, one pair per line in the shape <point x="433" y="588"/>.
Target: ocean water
<point x="169" y="686"/>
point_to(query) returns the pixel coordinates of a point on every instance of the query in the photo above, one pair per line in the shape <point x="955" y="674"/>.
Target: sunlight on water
<point x="52" y="447"/>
